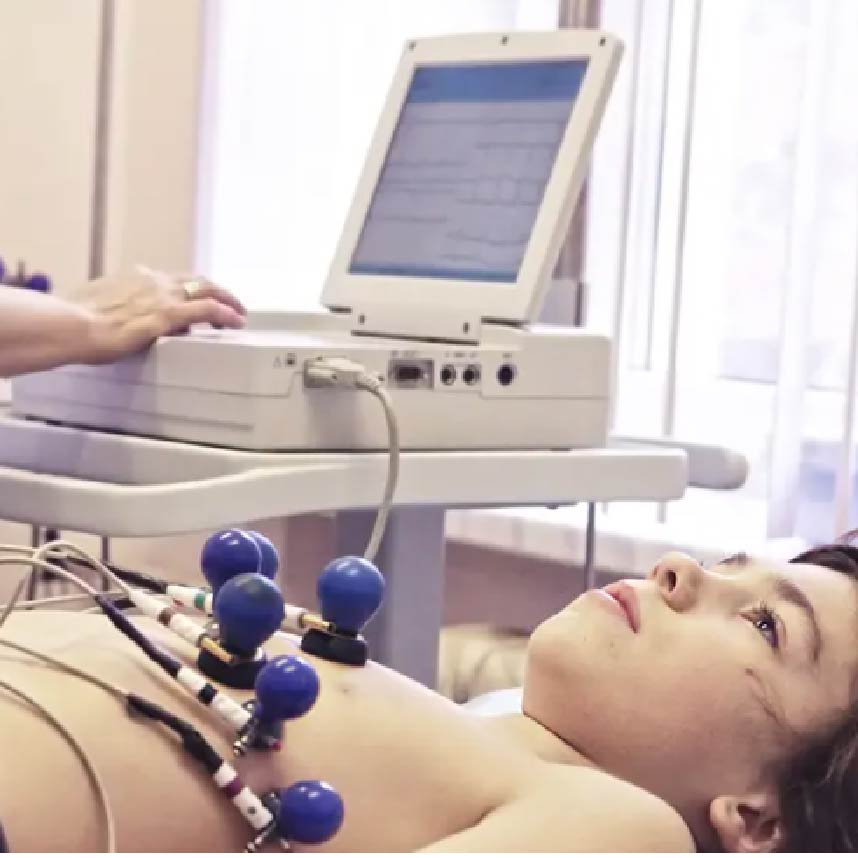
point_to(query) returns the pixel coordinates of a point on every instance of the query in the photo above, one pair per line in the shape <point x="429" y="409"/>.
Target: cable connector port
<point x="337" y="372"/>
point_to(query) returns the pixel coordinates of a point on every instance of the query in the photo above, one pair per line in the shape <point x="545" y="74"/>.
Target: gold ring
<point x="191" y="287"/>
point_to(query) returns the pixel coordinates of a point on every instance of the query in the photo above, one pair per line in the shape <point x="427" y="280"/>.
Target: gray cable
<point x="63" y="665"/>
<point x="36" y="563"/>
<point x="89" y="766"/>
<point x="23" y="604"/>
<point x="373" y="385"/>
<point x="16" y="595"/>
<point x="59" y="549"/>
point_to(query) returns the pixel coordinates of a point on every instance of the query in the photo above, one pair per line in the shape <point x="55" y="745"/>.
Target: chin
<point x="586" y="656"/>
<point x="554" y="640"/>
<point x="562" y="655"/>
<point x="582" y="632"/>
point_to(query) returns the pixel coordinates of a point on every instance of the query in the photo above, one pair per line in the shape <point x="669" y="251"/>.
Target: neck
<point x="532" y="737"/>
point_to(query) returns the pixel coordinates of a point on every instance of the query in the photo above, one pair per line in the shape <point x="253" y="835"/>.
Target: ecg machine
<point x="448" y="248"/>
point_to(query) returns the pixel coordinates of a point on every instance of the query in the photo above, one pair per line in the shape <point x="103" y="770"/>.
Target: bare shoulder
<point x="615" y="815"/>
<point x="566" y="809"/>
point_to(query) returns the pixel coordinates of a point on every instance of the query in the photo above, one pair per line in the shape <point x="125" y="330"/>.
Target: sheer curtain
<point x="731" y="283"/>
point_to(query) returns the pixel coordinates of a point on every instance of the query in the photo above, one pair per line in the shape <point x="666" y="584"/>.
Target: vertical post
<point x="405" y="633"/>
<point x="590" y="548"/>
<point x="569" y="272"/>
<point x="104" y="545"/>
<point x="802" y="249"/>
<point x="625" y="213"/>
<point x="622" y="271"/>
<point x="33" y="580"/>
<point x="843" y="491"/>
<point x="669" y="407"/>
<point x="652" y="262"/>
<point x="102" y="140"/>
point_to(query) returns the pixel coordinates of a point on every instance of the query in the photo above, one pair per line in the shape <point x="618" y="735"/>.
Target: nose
<point x="678" y="578"/>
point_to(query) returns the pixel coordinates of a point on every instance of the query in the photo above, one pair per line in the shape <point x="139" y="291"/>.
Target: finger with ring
<point x="192" y="287"/>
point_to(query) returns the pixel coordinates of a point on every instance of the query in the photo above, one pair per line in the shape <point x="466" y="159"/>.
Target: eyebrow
<point x="788" y="591"/>
<point x="792" y="593"/>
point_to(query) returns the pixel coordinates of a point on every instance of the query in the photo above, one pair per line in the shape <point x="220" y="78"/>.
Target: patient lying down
<point x="696" y="709"/>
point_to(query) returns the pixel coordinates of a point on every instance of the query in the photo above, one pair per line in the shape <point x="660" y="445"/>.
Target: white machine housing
<point x="465" y="365"/>
<point x="246" y="391"/>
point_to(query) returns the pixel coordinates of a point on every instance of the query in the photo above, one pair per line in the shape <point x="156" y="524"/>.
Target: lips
<point x="627" y="599"/>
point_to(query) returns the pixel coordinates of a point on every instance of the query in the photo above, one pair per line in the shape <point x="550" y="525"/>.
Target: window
<point x="739" y="277"/>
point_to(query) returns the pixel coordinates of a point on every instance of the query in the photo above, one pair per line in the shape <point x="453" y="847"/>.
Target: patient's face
<point x="700" y="693"/>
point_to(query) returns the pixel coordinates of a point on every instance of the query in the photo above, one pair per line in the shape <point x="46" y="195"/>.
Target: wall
<point x="48" y="69"/>
<point x="49" y="105"/>
<point x="154" y="110"/>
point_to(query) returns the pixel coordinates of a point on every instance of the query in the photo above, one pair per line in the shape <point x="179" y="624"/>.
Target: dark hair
<point x="818" y="785"/>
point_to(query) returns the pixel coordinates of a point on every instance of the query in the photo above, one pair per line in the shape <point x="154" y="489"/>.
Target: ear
<point x="748" y="823"/>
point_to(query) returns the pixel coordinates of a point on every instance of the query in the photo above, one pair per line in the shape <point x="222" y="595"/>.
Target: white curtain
<point x="724" y="233"/>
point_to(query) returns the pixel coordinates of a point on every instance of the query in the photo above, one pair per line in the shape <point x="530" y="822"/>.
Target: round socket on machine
<point x="471" y="374"/>
<point x="506" y="374"/>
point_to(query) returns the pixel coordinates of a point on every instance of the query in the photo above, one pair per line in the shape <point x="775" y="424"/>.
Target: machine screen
<point x="463" y="179"/>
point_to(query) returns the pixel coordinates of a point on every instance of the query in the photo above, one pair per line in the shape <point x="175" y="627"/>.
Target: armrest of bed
<point x="709" y="465"/>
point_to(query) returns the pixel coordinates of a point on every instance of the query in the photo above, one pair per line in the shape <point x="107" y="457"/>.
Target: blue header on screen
<point x="542" y="81"/>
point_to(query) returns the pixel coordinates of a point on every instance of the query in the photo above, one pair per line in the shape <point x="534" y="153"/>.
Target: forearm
<point x="39" y="332"/>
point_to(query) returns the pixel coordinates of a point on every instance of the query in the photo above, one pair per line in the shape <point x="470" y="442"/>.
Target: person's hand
<point x="129" y="312"/>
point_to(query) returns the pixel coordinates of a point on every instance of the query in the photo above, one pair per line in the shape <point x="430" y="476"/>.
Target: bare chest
<point x="410" y="766"/>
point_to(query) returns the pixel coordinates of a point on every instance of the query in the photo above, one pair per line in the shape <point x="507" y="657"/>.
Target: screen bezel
<point x="517" y="301"/>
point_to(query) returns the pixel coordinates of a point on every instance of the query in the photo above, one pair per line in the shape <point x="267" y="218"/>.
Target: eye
<point x="766" y="621"/>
